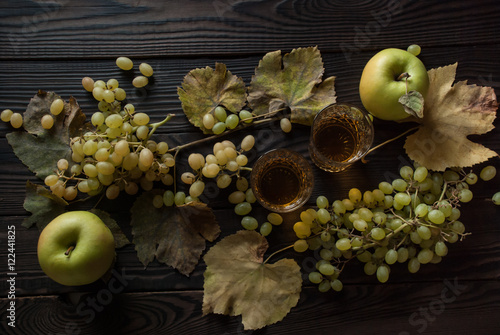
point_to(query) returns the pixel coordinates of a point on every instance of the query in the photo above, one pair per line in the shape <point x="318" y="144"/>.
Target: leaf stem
<point x="276" y="252"/>
<point x="387" y="142"/>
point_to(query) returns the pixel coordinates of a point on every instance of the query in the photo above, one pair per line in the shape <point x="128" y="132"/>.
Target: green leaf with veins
<point x="204" y="89"/>
<point x="413" y="104"/>
<point x="293" y="81"/>
<point x="238" y="282"/>
<point x="174" y="235"/>
<point x="40" y="149"/>
<point x="43" y="204"/>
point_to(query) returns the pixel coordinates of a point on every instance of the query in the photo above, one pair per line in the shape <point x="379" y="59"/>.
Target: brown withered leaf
<point x="204" y="89"/>
<point x="238" y="282"/>
<point x="174" y="235"/>
<point x="294" y="81"/>
<point x="451" y="113"/>
<point x="40" y="149"/>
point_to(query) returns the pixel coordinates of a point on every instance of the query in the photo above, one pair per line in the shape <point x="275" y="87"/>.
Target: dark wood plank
<point x="96" y="29"/>
<point x="451" y="306"/>
<point x="52" y="45"/>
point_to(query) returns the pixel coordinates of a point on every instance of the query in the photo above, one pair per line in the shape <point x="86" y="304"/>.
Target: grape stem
<point x="387" y="142"/>
<point x="155" y="126"/>
<point x="210" y="138"/>
<point x="277" y="252"/>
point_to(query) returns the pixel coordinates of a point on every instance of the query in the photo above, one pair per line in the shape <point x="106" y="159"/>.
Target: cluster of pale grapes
<point x="219" y="121"/>
<point x="15" y="119"/>
<point x="145" y="69"/>
<point x="409" y="220"/>
<point x="225" y="163"/>
<point x="118" y="155"/>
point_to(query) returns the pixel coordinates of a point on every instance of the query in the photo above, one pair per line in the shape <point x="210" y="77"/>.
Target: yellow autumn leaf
<point x="238" y="282"/>
<point x="451" y="113"/>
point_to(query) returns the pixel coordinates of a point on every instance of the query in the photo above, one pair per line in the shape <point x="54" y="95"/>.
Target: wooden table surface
<point x="51" y="45"/>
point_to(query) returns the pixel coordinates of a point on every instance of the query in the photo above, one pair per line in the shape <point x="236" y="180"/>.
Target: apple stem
<point x="70" y="249"/>
<point x="405" y="75"/>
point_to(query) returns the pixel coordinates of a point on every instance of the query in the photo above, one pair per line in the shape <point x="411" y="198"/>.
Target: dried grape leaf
<point x="43" y="205"/>
<point x="294" y="81"/>
<point x="413" y="103"/>
<point x="40" y="149"/>
<point x="120" y="239"/>
<point x="237" y="282"/>
<point x="204" y="89"/>
<point x="451" y="113"/>
<point x="174" y="235"/>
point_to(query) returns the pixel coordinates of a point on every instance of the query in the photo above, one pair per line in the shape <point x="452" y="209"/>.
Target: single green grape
<point x="465" y="195"/>
<point x="301" y="229"/>
<point x="378" y="233"/>
<point x="146" y="69"/>
<point x="326" y="269"/>
<point x="232" y="121"/>
<point x="326" y="254"/>
<point x="249" y="223"/>
<point x="424" y="232"/>
<point x="266" y="228"/>
<point x="355" y="195"/>
<point x="124" y="63"/>
<point x="385" y="187"/>
<point x="179" y="198"/>
<point x="413" y="265"/>
<point x="324" y="286"/>
<point x="488" y="173"/>
<point x="336" y="285"/>
<point x="275" y="219"/>
<point x="168" y="198"/>
<point x="322" y="202"/>
<point x="402" y="255"/>
<point x="315" y="277"/>
<point x="246" y="116"/>
<point x="300" y="245"/>
<point x="391" y="256"/>
<point x="406" y="172"/>
<point x="220" y="113"/>
<point x="496" y="198"/>
<point x="441" y="249"/>
<point x="383" y="273"/>
<point x="399" y="185"/>
<point x="420" y="174"/>
<point x="436" y="216"/>
<point x="425" y="256"/>
<point x="414" y="49"/>
<point x="243" y="208"/>
<point x="219" y="127"/>
<point x="323" y="215"/>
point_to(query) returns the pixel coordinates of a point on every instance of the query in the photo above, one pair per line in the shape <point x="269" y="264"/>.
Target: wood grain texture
<point x="52" y="45"/>
<point x="96" y="29"/>
<point x="450" y="306"/>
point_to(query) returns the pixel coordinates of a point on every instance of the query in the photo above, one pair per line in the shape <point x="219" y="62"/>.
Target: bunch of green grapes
<point x="225" y="163"/>
<point x="118" y="155"/>
<point x="219" y="120"/>
<point x="410" y="220"/>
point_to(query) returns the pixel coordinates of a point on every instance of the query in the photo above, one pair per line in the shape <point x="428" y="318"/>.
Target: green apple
<point x="76" y="248"/>
<point x="381" y="84"/>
